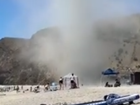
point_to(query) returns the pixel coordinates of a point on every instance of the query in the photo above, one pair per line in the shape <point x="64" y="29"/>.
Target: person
<point x="30" y="88"/>
<point x="22" y="87"/>
<point x="117" y="83"/>
<point x="38" y="87"/>
<point x="73" y="83"/>
<point x="47" y="87"/>
<point x="61" y="83"/>
<point x="72" y="78"/>
<point x="108" y="85"/>
<point x="14" y="88"/>
<point x="17" y="89"/>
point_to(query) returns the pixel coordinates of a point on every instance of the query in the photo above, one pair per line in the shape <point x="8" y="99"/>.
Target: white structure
<point x="67" y="80"/>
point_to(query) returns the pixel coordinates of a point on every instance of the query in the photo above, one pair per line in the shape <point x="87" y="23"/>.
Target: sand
<point x="83" y="94"/>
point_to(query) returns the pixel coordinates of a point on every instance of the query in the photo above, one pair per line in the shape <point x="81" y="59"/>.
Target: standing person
<point x="30" y="88"/>
<point x="72" y="81"/>
<point x="17" y="89"/>
<point x="14" y="87"/>
<point x="61" y="83"/>
<point x="22" y="87"/>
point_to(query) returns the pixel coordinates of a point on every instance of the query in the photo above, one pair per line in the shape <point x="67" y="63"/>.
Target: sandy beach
<point x="83" y="94"/>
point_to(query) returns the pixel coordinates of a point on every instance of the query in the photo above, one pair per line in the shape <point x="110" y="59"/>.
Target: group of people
<point x="31" y="89"/>
<point x="72" y="82"/>
<point x="117" y="84"/>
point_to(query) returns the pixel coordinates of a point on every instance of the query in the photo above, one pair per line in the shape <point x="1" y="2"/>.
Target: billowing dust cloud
<point x="76" y="48"/>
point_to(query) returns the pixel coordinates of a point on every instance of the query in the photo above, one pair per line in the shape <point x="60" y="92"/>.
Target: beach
<point x="84" y="94"/>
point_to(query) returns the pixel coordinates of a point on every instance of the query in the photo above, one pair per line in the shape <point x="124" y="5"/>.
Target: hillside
<point x="17" y="63"/>
<point x="21" y="63"/>
<point x="123" y="35"/>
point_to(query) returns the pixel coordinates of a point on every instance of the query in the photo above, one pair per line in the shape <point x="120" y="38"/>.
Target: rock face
<point x="20" y="63"/>
<point x="17" y="65"/>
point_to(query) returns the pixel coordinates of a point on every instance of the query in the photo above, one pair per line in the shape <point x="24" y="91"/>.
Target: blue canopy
<point x="110" y="72"/>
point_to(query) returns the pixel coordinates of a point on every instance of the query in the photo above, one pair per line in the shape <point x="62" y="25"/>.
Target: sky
<point x="23" y="18"/>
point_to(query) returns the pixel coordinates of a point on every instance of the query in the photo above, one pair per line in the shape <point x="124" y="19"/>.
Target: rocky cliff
<point x="17" y="63"/>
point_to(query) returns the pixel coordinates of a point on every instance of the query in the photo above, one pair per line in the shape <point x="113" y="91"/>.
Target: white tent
<point x="67" y="80"/>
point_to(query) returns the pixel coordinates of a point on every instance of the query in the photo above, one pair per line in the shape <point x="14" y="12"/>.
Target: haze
<point x="76" y="48"/>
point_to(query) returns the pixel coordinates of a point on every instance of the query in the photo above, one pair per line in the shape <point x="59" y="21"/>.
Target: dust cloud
<point x="72" y="46"/>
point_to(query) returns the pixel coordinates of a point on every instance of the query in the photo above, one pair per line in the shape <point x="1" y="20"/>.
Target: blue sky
<point x="8" y="11"/>
<point x="22" y="18"/>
